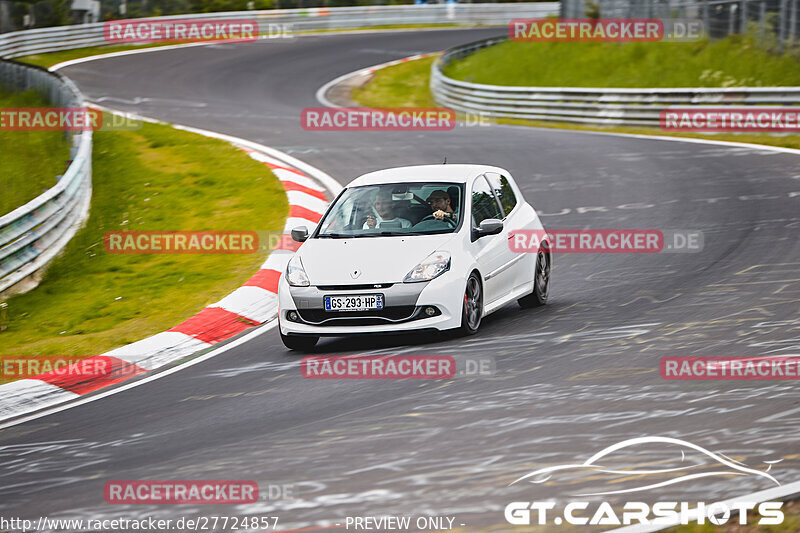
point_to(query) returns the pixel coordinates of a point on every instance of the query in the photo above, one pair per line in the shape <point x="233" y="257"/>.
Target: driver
<point x="385" y="209"/>
<point x="439" y="201"/>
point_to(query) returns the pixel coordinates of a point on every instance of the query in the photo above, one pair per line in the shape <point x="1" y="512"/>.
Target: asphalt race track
<point x="571" y="378"/>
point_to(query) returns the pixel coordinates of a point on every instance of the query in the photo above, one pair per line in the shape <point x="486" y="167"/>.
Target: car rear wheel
<point x="472" y="310"/>
<point x="541" y="283"/>
<point x="299" y="343"/>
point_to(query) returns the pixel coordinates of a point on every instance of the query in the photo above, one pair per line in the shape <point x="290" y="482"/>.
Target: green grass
<point x="401" y="85"/>
<point x="53" y="58"/>
<point x="156" y="178"/>
<point x="731" y="62"/>
<point x="31" y="160"/>
<point x="406" y="84"/>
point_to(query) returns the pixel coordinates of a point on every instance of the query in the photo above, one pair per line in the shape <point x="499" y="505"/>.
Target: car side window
<point x="503" y="190"/>
<point x="484" y="204"/>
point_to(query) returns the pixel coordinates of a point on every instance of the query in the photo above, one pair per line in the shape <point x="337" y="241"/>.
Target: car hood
<point x="375" y="259"/>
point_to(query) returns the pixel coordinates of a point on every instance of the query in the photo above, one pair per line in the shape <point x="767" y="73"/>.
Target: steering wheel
<point x="448" y="220"/>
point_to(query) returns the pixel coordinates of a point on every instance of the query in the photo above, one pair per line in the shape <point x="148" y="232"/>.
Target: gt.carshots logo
<point x="607" y="467"/>
<point x="660" y="513"/>
<point x="181" y="491"/>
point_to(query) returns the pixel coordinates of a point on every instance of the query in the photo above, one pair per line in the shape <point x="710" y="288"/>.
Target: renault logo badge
<point x="355" y="273"/>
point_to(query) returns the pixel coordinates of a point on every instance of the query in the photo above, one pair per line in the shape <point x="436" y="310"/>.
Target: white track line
<point x="109" y="55"/>
<point x="331" y="184"/>
<point x="259" y="330"/>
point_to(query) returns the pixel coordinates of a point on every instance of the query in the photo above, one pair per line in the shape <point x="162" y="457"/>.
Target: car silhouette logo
<point x="355" y="273"/>
<point x="689" y="468"/>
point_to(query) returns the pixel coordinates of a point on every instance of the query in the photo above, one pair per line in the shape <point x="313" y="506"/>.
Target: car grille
<point x="366" y="286"/>
<point x="392" y="314"/>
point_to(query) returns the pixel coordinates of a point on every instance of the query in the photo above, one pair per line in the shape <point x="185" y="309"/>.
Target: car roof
<point x="423" y="173"/>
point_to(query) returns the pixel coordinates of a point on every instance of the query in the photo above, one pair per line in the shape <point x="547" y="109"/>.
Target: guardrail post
<point x="782" y="26"/>
<point x="762" y="19"/>
<point x="793" y="22"/>
<point x="732" y="8"/>
<point x="743" y="17"/>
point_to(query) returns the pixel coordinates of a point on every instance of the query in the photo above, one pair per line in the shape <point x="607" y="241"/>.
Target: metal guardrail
<point x="775" y="18"/>
<point x="33" y="234"/>
<point x="44" y="40"/>
<point x="585" y="105"/>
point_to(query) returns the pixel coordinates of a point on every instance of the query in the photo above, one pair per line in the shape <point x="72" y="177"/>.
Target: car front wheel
<point x="472" y="309"/>
<point x="541" y="283"/>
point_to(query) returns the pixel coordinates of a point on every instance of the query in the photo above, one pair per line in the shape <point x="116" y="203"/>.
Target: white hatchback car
<point x="409" y="249"/>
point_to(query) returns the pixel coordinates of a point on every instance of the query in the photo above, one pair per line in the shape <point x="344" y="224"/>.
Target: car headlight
<point x="295" y="273"/>
<point x="435" y="265"/>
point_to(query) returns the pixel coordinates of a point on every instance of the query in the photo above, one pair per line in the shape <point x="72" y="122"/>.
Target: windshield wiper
<point x="335" y="235"/>
<point x="396" y="233"/>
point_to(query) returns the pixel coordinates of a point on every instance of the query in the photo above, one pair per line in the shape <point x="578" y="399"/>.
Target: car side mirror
<point x="490" y="226"/>
<point x="300" y="234"/>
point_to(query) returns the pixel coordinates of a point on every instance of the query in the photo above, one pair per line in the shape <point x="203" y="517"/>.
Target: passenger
<point x="385" y="208"/>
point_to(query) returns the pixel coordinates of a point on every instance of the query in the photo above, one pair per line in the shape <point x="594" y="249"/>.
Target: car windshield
<point x="394" y="209"/>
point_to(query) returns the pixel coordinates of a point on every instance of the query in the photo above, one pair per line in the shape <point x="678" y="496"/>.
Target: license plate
<point x="359" y="302"/>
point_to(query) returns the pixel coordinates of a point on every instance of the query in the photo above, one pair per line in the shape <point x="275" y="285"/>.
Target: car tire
<point x="541" y="283"/>
<point x="472" y="308"/>
<point x="299" y="343"/>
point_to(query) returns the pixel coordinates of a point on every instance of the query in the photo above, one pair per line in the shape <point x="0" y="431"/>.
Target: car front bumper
<point x="405" y="305"/>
